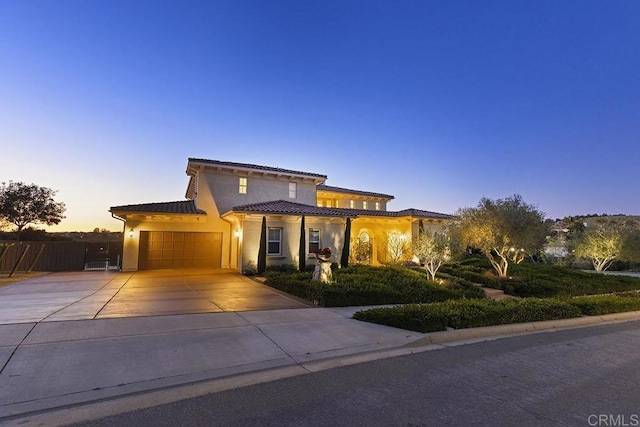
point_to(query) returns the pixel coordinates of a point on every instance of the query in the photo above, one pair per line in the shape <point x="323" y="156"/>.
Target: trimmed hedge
<point x="606" y="304"/>
<point x="463" y="314"/>
<point x="365" y="285"/>
<point x="474" y="313"/>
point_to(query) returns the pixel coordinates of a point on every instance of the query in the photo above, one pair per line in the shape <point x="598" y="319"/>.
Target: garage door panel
<point x="166" y="249"/>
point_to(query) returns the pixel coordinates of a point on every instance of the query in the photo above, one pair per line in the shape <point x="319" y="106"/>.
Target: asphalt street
<point x="578" y="377"/>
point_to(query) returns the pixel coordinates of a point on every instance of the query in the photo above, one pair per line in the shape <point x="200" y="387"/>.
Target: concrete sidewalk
<point x="51" y="365"/>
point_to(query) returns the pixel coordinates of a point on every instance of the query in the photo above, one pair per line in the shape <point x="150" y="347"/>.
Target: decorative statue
<point x="322" y="271"/>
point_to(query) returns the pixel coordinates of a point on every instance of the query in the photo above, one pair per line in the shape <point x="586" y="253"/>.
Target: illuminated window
<point x="377" y="206"/>
<point x="352" y="204"/>
<point x="314" y="239"/>
<point x="364" y="205"/>
<point x="292" y="190"/>
<point x="243" y="186"/>
<point x="320" y="204"/>
<point x="274" y="241"/>
<point x="337" y="203"/>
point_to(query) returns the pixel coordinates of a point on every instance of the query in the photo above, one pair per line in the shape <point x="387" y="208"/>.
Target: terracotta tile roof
<point x="284" y="207"/>
<point x="257" y="167"/>
<point x="323" y="187"/>
<point x="180" y="207"/>
<point x="417" y="213"/>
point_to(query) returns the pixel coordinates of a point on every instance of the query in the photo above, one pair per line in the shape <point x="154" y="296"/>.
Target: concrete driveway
<point x="99" y="295"/>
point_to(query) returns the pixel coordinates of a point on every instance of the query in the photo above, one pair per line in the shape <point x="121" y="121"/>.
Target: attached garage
<point x="173" y="249"/>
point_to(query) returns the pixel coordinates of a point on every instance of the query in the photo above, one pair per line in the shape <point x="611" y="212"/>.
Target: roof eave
<point x="191" y="170"/>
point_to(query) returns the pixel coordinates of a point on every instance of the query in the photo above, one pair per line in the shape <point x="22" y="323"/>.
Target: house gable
<point x="234" y="184"/>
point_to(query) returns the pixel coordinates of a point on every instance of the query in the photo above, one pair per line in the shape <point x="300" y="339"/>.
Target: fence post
<point x="15" y="267"/>
<point x="36" y="259"/>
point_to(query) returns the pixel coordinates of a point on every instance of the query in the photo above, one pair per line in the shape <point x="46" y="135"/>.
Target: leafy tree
<point x="505" y="230"/>
<point x="606" y="241"/>
<point x="433" y="249"/>
<point x="361" y="249"/>
<point x="23" y="204"/>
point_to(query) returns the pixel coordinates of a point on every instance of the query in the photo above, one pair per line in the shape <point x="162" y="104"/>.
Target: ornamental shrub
<point x="466" y="313"/>
<point x="365" y="285"/>
<point x="605" y="304"/>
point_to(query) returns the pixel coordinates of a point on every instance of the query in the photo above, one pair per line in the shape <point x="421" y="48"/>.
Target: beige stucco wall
<point x="225" y="185"/>
<point x="211" y="222"/>
<point x="331" y="236"/>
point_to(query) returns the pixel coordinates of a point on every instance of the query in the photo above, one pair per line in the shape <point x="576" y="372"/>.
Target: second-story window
<point x="377" y="206"/>
<point x="242" y="189"/>
<point x="352" y="204"/>
<point x="364" y="204"/>
<point x="293" y="187"/>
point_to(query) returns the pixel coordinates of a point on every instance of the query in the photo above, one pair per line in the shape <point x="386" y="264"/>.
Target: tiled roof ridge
<point x="350" y="191"/>
<point x="422" y="212"/>
<point x="178" y="206"/>
<point x="404" y="212"/>
<point x="254" y="166"/>
<point x="288" y="207"/>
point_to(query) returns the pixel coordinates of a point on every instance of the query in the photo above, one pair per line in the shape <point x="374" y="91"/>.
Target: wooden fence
<point x="59" y="256"/>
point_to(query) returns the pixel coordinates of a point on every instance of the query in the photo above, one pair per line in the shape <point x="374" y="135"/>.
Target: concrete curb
<point x="519" y="328"/>
<point x="433" y="341"/>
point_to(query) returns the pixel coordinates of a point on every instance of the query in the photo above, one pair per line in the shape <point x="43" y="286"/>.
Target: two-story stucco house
<point x="219" y="223"/>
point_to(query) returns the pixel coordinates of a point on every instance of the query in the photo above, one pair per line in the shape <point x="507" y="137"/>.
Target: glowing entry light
<point x="131" y="233"/>
<point x="238" y="233"/>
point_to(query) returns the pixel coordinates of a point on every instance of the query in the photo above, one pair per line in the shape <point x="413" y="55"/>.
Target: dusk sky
<point x="439" y="103"/>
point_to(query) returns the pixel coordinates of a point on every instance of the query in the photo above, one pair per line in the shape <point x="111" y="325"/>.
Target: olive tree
<point x="505" y="230"/>
<point x="432" y="249"/>
<point x="606" y="241"/>
<point x="23" y="204"/>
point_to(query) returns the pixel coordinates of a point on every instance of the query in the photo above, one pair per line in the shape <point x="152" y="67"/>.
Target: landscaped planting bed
<point x="365" y="285"/>
<point x="474" y="313"/>
<point x="541" y="280"/>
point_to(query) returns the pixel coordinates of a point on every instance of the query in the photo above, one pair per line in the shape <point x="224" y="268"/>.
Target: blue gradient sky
<point x="436" y="102"/>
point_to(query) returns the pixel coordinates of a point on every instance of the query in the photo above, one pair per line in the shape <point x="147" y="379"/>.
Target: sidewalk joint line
<point x="17" y="347"/>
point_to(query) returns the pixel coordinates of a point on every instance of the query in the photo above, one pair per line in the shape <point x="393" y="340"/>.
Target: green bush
<point x="604" y="304"/>
<point x="410" y="317"/>
<point x="365" y="285"/>
<point x="465" y="313"/>
<point x="540" y="280"/>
